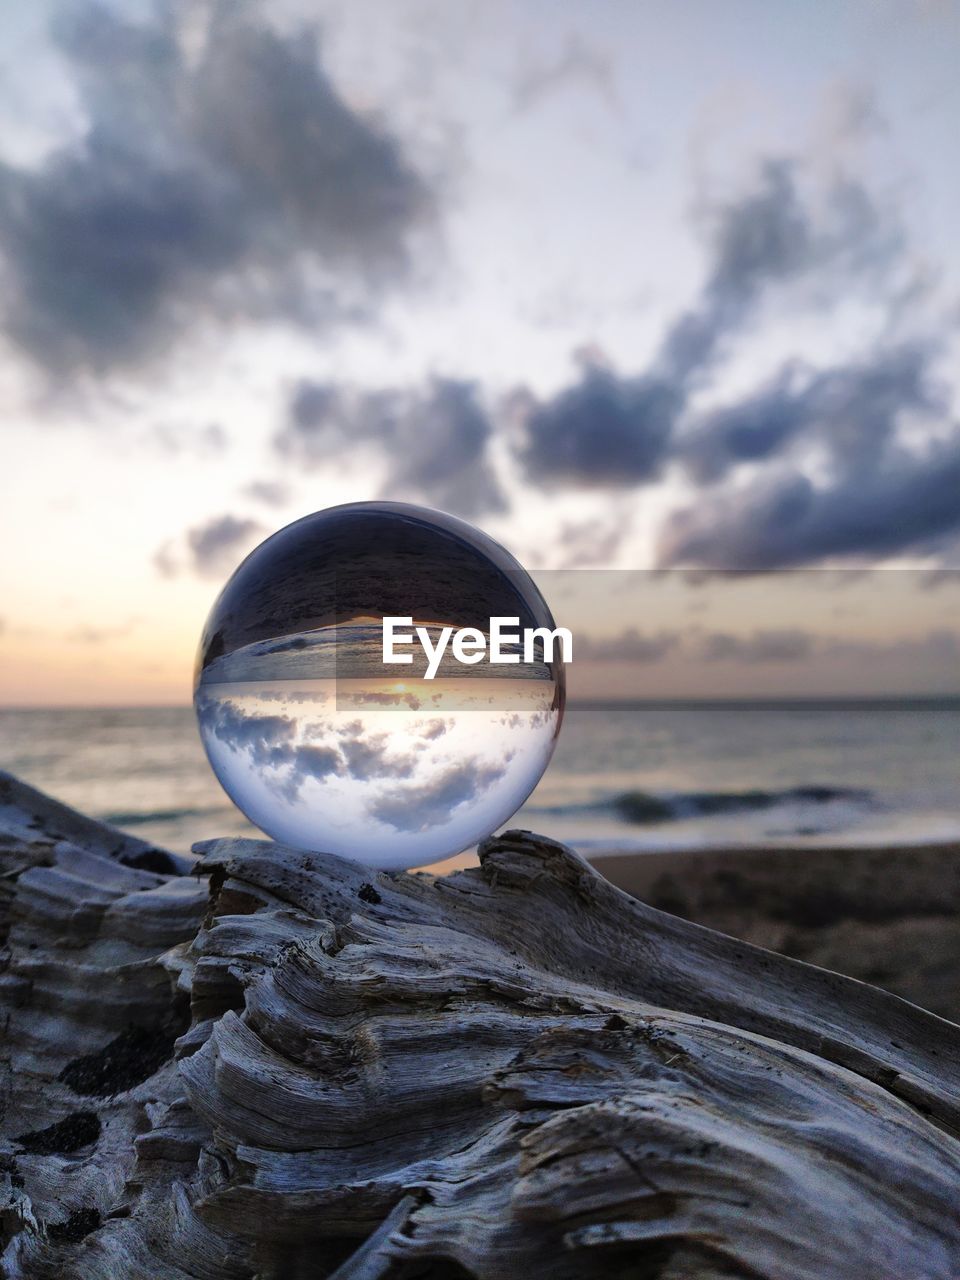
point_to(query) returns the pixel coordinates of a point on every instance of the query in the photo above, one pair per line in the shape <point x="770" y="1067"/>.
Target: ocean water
<point x="624" y="776"/>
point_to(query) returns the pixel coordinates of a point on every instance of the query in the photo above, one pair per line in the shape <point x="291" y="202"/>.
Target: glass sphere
<point x="321" y="743"/>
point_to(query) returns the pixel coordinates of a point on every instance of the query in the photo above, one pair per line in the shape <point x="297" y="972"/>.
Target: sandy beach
<point x="886" y="915"/>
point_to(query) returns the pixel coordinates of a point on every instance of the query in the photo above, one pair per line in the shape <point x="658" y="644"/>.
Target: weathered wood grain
<point x="513" y="1071"/>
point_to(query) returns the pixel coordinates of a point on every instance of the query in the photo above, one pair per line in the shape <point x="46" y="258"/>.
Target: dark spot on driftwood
<point x="325" y="1257"/>
<point x="447" y="1269"/>
<point x="78" y="1130"/>
<point x="151" y="860"/>
<point x="367" y="893"/>
<point x="80" y="1223"/>
<point x="129" y="1059"/>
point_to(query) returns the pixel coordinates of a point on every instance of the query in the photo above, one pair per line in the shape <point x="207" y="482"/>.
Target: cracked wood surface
<point x="276" y="1064"/>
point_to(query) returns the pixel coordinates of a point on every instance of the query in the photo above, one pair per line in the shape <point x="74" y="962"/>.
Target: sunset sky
<point x="632" y="286"/>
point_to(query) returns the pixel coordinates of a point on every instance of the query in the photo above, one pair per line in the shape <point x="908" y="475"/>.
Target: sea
<point x="625" y="776"/>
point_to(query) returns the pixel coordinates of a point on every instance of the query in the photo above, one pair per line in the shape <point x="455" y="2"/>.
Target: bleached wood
<point x="517" y="1071"/>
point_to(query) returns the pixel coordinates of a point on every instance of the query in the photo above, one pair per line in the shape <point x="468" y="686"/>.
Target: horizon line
<point x="626" y="701"/>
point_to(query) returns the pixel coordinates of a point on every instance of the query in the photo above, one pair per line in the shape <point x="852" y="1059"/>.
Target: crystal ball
<point x="325" y="745"/>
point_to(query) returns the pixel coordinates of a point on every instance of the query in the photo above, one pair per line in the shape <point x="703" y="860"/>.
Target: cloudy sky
<point x="631" y="285"/>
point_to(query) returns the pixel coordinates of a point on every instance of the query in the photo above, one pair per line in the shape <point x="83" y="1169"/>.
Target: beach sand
<point x="889" y="916"/>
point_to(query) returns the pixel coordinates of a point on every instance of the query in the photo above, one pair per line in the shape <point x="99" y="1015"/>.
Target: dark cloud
<point x="234" y="183"/>
<point x="605" y="430"/>
<point x="315" y="409"/>
<point x="418" y="808"/>
<point x="831" y="474"/>
<point x="441" y="449"/>
<point x="211" y="549"/>
<point x="630" y="645"/>
<point x="905" y="501"/>
<point x="272" y="493"/>
<point x="761" y="646"/>
<point x="931" y="646"/>
<point x="612" y="430"/>
<point x="769" y="645"/>
<point x="853" y="411"/>
<point x="218" y="543"/>
<point x="872" y="495"/>
<point x="376" y="698"/>
<point x="773" y="236"/>
<point x="269" y="741"/>
<point x="434" y="440"/>
<point x="368" y="756"/>
<point x="308" y="761"/>
<point x="266" y="738"/>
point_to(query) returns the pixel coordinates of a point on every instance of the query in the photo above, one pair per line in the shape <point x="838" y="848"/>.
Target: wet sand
<point x="886" y="915"/>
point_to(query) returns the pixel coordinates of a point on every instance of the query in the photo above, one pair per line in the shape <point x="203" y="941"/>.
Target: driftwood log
<point x="276" y="1064"/>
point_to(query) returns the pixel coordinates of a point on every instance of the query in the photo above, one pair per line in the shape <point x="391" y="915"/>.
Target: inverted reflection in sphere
<point x="323" y="746"/>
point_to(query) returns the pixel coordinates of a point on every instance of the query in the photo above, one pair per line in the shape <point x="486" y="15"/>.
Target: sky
<point x="632" y="286"/>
